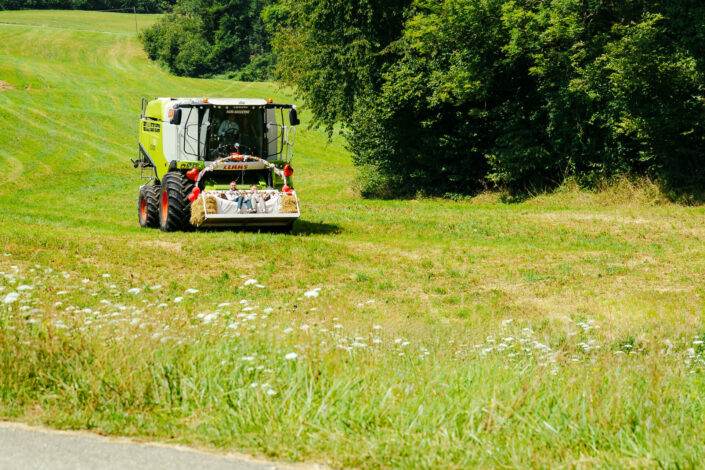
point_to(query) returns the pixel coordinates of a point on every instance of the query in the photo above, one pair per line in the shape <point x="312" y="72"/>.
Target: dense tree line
<point x="447" y="96"/>
<point x="209" y="37"/>
<point x="142" y="6"/>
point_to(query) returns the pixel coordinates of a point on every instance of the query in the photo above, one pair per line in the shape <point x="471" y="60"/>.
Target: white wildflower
<point x="178" y="299"/>
<point x="11" y="297"/>
<point x="191" y="291"/>
<point x="24" y="287"/>
<point x="135" y="290"/>
<point x="312" y="293"/>
<point x="291" y="356"/>
<point x="250" y="282"/>
<point x="209" y="318"/>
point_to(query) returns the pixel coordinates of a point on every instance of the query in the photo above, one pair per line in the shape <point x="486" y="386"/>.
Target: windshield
<point x="216" y="132"/>
<point x="235" y="130"/>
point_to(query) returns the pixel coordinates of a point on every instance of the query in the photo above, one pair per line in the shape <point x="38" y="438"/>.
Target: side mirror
<point x="176" y="118"/>
<point x="293" y="118"/>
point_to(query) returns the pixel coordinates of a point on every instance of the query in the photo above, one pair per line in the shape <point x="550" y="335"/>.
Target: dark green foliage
<point x="451" y="95"/>
<point x="142" y="6"/>
<point x="335" y="52"/>
<point x="207" y="37"/>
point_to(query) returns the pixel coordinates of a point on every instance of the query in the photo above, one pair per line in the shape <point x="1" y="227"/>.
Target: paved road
<point x="24" y="447"/>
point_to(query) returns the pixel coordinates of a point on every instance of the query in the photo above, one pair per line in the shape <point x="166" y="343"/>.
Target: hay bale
<point x="288" y="204"/>
<point x="211" y="205"/>
<point x="198" y="215"/>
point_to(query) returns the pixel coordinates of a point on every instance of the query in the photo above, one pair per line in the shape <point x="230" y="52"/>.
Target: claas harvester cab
<point x="214" y="162"/>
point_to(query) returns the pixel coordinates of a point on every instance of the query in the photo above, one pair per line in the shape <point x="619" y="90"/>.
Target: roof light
<point x="270" y="100"/>
<point x="205" y="100"/>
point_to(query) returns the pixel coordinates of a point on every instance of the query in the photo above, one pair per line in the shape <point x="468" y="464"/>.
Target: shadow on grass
<point x="301" y="227"/>
<point x="305" y="227"/>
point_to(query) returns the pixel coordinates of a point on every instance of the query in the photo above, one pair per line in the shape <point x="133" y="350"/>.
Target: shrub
<point x="207" y="37"/>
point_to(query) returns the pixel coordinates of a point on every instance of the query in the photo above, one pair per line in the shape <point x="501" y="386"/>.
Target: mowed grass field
<point x="565" y="331"/>
<point x="105" y="22"/>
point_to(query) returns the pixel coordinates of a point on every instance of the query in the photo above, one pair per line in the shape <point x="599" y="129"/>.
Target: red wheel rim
<point x="143" y="209"/>
<point x="165" y="205"/>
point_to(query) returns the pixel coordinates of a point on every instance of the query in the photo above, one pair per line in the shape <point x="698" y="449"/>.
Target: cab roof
<point x="220" y="101"/>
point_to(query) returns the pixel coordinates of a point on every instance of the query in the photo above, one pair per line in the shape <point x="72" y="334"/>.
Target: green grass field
<point x="565" y="331"/>
<point x="123" y="23"/>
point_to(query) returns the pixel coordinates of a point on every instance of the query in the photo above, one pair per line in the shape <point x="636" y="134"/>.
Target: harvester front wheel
<point x="174" y="207"/>
<point x="148" y="206"/>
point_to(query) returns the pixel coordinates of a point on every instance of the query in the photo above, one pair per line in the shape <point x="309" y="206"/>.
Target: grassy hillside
<point x="122" y="23"/>
<point x="564" y="331"/>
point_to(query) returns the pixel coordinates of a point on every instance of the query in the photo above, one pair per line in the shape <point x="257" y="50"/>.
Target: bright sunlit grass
<point x="121" y="22"/>
<point x="562" y="331"/>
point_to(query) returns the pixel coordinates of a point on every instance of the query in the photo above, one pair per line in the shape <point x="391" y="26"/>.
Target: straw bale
<point x="198" y="215"/>
<point x="288" y="204"/>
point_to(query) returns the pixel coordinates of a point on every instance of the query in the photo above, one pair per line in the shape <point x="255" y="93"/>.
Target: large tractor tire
<point x="174" y="207"/>
<point x="148" y="206"/>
